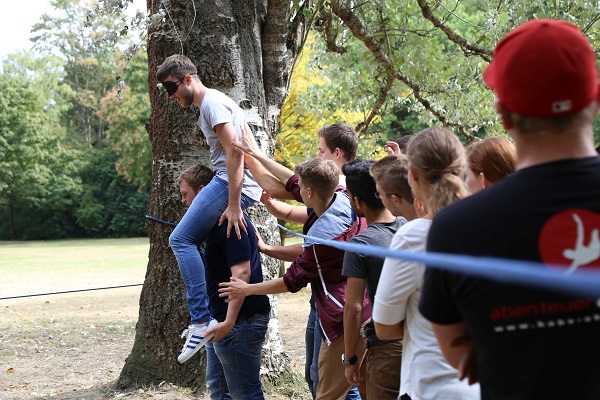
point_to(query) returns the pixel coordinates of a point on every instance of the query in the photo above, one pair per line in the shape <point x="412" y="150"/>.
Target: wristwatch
<point x="350" y="361"/>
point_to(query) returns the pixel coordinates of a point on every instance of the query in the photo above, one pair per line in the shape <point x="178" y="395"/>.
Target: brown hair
<point x="403" y="142"/>
<point x="176" y="66"/>
<point x="495" y="156"/>
<point x="438" y="156"/>
<point x="196" y="175"/>
<point x="320" y="174"/>
<point x="341" y="136"/>
<point x="556" y="125"/>
<point x="391" y="173"/>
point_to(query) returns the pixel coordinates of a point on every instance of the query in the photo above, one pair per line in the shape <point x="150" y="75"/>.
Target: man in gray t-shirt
<point x="362" y="270"/>
<point x="231" y="189"/>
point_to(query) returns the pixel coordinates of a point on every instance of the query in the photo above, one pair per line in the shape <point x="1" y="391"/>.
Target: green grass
<point x="51" y="266"/>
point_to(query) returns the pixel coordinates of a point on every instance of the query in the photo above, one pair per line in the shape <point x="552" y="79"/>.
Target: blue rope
<point x="69" y="291"/>
<point x="160" y="220"/>
<point x="581" y="282"/>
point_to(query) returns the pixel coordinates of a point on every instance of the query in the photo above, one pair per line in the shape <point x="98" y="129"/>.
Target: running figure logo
<point x="571" y="238"/>
<point x="582" y="254"/>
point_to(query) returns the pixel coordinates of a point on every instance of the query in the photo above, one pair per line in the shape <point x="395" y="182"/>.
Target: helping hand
<point x="234" y="289"/>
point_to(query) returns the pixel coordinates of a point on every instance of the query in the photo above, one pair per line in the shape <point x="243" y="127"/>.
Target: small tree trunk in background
<point x="239" y="47"/>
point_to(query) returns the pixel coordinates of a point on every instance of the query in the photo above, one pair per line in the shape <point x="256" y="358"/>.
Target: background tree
<point x="35" y="168"/>
<point x="127" y="115"/>
<point x="87" y="43"/>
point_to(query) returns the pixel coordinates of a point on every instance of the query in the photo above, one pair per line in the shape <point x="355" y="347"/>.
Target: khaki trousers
<point x="333" y="384"/>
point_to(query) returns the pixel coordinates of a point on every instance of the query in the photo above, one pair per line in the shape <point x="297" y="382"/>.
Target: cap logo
<point x="562" y="106"/>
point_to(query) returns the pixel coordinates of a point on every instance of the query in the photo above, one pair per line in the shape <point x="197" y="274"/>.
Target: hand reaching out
<point x="392" y="148"/>
<point x="234" y="289"/>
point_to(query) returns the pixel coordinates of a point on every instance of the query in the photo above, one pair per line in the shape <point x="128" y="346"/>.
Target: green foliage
<point x="445" y="75"/>
<point x="35" y="166"/>
<point x="87" y="44"/>
<point x="109" y="206"/>
<point x="126" y="117"/>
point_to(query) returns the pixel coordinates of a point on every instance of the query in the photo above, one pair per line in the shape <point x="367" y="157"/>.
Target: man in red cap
<point x="518" y="341"/>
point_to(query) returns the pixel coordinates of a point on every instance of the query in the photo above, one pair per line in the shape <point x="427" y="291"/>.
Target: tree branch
<point x="325" y="25"/>
<point x="361" y="33"/>
<point x="467" y="48"/>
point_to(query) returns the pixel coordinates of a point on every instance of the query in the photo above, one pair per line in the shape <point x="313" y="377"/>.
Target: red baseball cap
<point x="544" y="68"/>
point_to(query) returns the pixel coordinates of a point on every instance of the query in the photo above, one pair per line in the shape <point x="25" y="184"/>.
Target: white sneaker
<point x="195" y="339"/>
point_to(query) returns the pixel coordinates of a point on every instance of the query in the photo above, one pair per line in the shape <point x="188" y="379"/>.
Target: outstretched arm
<point x="238" y="289"/>
<point x="248" y="145"/>
<point x="266" y="180"/>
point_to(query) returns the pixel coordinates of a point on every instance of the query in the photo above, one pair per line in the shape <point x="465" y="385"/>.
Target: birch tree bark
<point x="244" y="49"/>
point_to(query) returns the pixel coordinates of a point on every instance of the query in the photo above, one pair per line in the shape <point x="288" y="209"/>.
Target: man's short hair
<point x="196" y="176"/>
<point x="341" y="136"/>
<point x="176" y="66"/>
<point x="361" y="184"/>
<point x="391" y="173"/>
<point x="319" y="174"/>
<point x="403" y="142"/>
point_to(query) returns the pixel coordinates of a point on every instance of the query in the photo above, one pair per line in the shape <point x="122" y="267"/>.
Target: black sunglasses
<point x="171" y="87"/>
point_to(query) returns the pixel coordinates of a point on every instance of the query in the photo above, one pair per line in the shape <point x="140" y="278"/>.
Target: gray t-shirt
<point x="217" y="108"/>
<point x="368" y="267"/>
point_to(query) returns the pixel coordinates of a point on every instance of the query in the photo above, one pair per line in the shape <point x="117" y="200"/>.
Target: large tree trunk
<point x="224" y="38"/>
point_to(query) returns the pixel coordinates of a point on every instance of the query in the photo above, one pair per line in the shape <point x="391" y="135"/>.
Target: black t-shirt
<point x="531" y="343"/>
<point x="220" y="255"/>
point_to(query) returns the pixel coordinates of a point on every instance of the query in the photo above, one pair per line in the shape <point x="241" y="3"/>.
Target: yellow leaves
<point x="10" y="370"/>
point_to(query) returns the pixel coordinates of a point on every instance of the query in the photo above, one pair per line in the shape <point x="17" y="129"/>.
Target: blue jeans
<point x="353" y="393"/>
<point x="233" y="363"/>
<point x="192" y="231"/>
<point x="312" y="341"/>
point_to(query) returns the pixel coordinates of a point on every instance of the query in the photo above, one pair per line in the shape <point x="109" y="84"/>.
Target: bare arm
<point x="355" y="289"/>
<point x="238" y="289"/>
<point x="389" y="332"/>
<point x="285" y="211"/>
<point x="458" y="349"/>
<point x="234" y="161"/>
<point x="240" y="271"/>
<point x="249" y="146"/>
<point x="285" y="253"/>
<point x="266" y="180"/>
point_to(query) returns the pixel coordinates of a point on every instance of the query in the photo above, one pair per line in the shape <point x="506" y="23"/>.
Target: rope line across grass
<point x="69" y="291"/>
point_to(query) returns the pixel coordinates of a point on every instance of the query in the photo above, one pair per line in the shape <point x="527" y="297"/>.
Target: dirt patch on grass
<point x="73" y="346"/>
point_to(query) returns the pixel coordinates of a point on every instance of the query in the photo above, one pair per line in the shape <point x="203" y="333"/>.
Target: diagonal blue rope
<point x="581" y="282"/>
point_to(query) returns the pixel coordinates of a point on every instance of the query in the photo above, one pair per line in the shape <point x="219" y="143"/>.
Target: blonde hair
<point x="320" y="174"/>
<point x="437" y="156"/>
<point x="391" y="173"/>
<point x="495" y="156"/>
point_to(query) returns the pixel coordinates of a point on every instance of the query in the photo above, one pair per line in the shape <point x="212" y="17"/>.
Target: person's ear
<point x="504" y="113"/>
<point x="485" y="181"/>
<point x="199" y="189"/>
<point x="411" y="171"/>
<point x="397" y="200"/>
